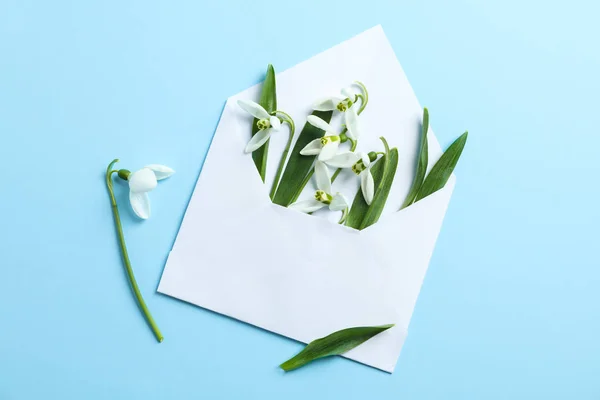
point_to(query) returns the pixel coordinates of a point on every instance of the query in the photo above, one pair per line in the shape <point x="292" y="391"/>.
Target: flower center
<point x="323" y="197"/>
<point x="344" y="105"/>
<point x="263" y="124"/>
<point x="329" y="139"/>
<point x="358" y="167"/>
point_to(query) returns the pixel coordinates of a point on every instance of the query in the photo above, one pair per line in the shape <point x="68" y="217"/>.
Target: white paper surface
<point x="304" y="276"/>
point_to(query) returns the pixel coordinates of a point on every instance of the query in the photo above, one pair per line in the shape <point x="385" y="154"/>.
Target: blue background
<point x="510" y="308"/>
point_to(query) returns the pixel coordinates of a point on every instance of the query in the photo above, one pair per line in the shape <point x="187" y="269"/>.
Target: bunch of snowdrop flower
<point x="328" y="155"/>
<point x="326" y="148"/>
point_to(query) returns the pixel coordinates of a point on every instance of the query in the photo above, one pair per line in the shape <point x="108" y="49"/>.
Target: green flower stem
<point x="344" y="216"/>
<point x="284" y="155"/>
<point x="352" y="148"/>
<point x="132" y="281"/>
<point x="364" y="97"/>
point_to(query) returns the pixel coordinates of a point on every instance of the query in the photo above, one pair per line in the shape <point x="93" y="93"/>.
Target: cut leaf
<point x="335" y="344"/>
<point x="383" y="190"/>
<point x="298" y="167"/>
<point x="441" y="171"/>
<point x="422" y="161"/>
<point x="268" y="99"/>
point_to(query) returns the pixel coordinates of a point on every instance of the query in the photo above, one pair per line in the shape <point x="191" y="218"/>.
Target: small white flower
<point x="362" y="168"/>
<point x="327" y="146"/>
<point x="345" y="102"/>
<point x="360" y="164"/>
<point x="143" y="181"/>
<point x="266" y="124"/>
<point x="323" y="196"/>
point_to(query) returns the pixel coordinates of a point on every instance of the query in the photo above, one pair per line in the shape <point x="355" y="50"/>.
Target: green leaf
<point x="335" y="344"/>
<point x="296" y="174"/>
<point x="362" y="215"/>
<point x="441" y="171"/>
<point x="383" y="190"/>
<point x="421" y="162"/>
<point x="268" y="99"/>
<point x="359" y="205"/>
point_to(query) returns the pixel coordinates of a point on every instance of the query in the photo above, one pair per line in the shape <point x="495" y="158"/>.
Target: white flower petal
<point x="351" y="119"/>
<point x="365" y="159"/>
<point x="258" y="140"/>
<point x="307" y="206"/>
<point x="142" y="181"/>
<point x="343" y="160"/>
<point x="319" y="123"/>
<point x="338" y="203"/>
<point x="347" y="92"/>
<point x="140" y="202"/>
<point x="160" y="171"/>
<point x="329" y="150"/>
<point x="322" y="177"/>
<point x="312" y="149"/>
<point x="255" y="109"/>
<point x="275" y="123"/>
<point x="326" y="103"/>
<point x="367" y="185"/>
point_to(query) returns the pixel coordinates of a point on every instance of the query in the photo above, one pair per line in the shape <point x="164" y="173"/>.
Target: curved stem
<point x="344" y="216"/>
<point x="129" y="270"/>
<point x="364" y="97"/>
<point x="284" y="155"/>
<point x="335" y="174"/>
<point x="385" y="145"/>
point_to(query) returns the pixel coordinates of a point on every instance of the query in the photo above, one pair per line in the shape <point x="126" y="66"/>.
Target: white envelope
<point x="305" y="276"/>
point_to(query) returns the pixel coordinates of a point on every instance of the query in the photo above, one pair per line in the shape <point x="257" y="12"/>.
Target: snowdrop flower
<point x="323" y="197"/>
<point x="266" y="124"/>
<point x="140" y="183"/>
<point x="346" y="103"/>
<point x="327" y="146"/>
<point x="361" y="164"/>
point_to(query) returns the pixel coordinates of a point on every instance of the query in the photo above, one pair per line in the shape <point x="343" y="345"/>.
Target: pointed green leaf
<point x="362" y="215"/>
<point x="383" y="190"/>
<point x="359" y="205"/>
<point x="441" y="171"/>
<point x="268" y="99"/>
<point x="335" y="344"/>
<point x="297" y="170"/>
<point x="422" y="161"/>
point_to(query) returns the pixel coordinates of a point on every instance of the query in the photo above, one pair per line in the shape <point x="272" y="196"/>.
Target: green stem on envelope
<point x="284" y="155"/>
<point x="128" y="269"/>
